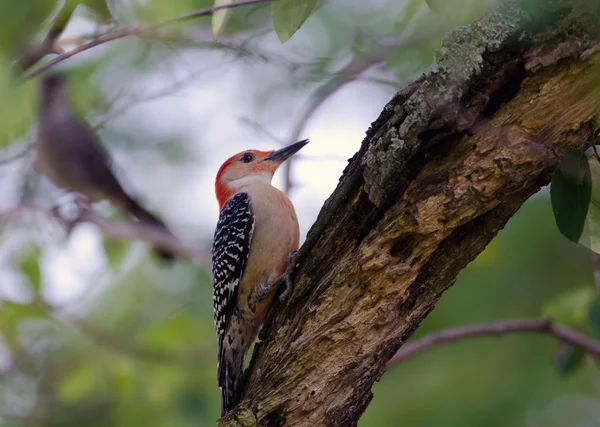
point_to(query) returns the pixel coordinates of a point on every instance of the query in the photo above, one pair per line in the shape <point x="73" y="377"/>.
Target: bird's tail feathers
<point x="230" y="375"/>
<point x="143" y="215"/>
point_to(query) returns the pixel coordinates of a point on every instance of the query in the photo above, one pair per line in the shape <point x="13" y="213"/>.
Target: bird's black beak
<point x="287" y="152"/>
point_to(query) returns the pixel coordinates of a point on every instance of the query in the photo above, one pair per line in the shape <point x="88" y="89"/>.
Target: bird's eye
<point x="247" y="158"/>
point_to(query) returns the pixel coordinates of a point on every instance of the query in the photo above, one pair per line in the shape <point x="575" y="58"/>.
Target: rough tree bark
<point x="451" y="158"/>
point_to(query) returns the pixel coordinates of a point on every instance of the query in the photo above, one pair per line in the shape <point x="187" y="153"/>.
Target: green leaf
<point x="18" y="105"/>
<point x="568" y="359"/>
<point x="219" y="18"/>
<point x="435" y="5"/>
<point x="590" y="237"/>
<point x="99" y="7"/>
<point x="570" y="193"/>
<point x="571" y="308"/>
<point x="289" y="15"/>
<point x="20" y="22"/>
<point x="30" y="267"/>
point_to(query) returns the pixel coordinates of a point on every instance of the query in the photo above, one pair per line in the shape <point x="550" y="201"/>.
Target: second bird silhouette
<point x="69" y="154"/>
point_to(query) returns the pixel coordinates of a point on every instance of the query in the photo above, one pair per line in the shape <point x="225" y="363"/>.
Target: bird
<point x="255" y="239"/>
<point x="71" y="156"/>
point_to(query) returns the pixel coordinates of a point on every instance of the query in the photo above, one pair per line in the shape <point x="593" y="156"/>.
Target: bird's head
<point x="249" y="165"/>
<point x="53" y="86"/>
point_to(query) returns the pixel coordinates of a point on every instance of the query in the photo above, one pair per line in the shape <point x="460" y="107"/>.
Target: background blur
<point x="97" y="333"/>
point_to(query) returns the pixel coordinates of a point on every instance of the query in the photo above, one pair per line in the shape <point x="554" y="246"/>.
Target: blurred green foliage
<point x="571" y="308"/>
<point x="137" y="348"/>
<point x="571" y="192"/>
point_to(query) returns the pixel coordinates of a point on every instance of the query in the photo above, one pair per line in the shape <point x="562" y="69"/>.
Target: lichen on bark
<point x="457" y="65"/>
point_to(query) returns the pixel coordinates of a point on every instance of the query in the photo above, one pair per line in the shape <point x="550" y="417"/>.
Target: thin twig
<point x="502" y="327"/>
<point x="242" y="47"/>
<point x="596" y="267"/>
<point x="135" y="31"/>
<point x="261" y="130"/>
<point x="120" y="231"/>
<point x="168" y="90"/>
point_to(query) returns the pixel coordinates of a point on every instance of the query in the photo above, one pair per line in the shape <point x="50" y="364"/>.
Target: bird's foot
<point x="286" y="277"/>
<point x="71" y="209"/>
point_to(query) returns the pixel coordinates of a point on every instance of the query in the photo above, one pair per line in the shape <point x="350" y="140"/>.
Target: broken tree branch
<point x="450" y="159"/>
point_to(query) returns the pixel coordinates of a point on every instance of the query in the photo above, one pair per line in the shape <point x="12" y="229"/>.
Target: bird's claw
<point x="285" y="295"/>
<point x="287" y="277"/>
<point x="73" y="208"/>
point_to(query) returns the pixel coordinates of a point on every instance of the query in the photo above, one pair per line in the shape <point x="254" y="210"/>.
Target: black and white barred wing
<point x="231" y="246"/>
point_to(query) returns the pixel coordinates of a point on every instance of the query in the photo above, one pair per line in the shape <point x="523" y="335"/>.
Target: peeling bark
<point x="451" y="158"/>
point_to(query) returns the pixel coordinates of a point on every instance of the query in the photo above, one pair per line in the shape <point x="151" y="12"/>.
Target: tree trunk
<point x="451" y="158"/>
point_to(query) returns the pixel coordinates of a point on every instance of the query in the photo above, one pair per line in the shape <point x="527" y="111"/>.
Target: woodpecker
<point x="256" y="235"/>
<point x="70" y="155"/>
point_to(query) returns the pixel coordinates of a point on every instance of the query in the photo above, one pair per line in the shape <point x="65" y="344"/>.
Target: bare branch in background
<point x="33" y="53"/>
<point x="261" y="130"/>
<point x="502" y="327"/>
<point x="135" y="31"/>
<point x="287" y="183"/>
<point x="242" y="47"/>
<point x="596" y="267"/>
<point x="119" y="231"/>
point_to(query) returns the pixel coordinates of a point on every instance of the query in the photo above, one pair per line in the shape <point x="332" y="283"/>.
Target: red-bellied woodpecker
<point x="256" y="233"/>
<point x="70" y="155"/>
